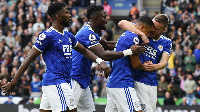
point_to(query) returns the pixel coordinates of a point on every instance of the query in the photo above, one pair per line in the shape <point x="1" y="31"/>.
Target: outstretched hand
<point x="105" y="68"/>
<point x="136" y="49"/>
<point x="8" y="88"/>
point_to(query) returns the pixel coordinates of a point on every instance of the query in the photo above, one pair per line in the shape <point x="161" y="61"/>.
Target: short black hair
<point x="92" y="9"/>
<point x="146" y="20"/>
<point x="55" y="7"/>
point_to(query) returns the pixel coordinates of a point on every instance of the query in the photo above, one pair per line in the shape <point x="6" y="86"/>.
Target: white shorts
<point x="57" y="98"/>
<point x="83" y="98"/>
<point x="147" y="95"/>
<point x="122" y="100"/>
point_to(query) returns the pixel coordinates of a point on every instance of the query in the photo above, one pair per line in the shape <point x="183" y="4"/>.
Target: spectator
<point x="25" y="38"/>
<point x="198" y="92"/>
<point x="38" y="26"/>
<point x="24" y="86"/>
<point x="197" y="71"/>
<point x="134" y="11"/>
<point x="110" y="28"/>
<point x="170" y="10"/>
<point x="190" y="88"/>
<point x="171" y="61"/>
<point x="36" y="88"/>
<point x="178" y="54"/>
<point x="186" y="42"/>
<point x="9" y="100"/>
<point x="168" y="99"/>
<point x="107" y="7"/>
<point x="43" y="7"/>
<point x="9" y="38"/>
<point x="170" y="89"/>
<point x="189" y="61"/>
<point x="162" y="87"/>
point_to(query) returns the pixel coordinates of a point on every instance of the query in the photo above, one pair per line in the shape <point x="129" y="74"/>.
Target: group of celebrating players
<point x="132" y="82"/>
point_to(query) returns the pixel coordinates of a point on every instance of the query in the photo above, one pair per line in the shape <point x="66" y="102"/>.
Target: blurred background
<point x="21" y="21"/>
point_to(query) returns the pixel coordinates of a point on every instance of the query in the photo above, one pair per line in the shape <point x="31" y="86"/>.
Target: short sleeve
<point x="89" y="39"/>
<point x="168" y="47"/>
<point x="126" y="40"/>
<point x="42" y="42"/>
<point x="73" y="40"/>
<point x="131" y="39"/>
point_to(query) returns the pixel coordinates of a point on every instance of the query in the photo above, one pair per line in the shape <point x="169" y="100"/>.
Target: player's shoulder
<point x="129" y="33"/>
<point x="164" y="38"/>
<point x="129" y="37"/>
<point x="85" y="31"/>
<point x="69" y="33"/>
<point x="48" y="32"/>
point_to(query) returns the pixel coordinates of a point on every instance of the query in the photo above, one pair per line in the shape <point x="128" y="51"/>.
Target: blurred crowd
<point x="181" y="78"/>
<point x="22" y="21"/>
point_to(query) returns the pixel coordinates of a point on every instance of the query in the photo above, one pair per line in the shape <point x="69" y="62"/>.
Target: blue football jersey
<point x="56" y="50"/>
<point x="153" y="53"/>
<point x="122" y="73"/>
<point x="81" y="66"/>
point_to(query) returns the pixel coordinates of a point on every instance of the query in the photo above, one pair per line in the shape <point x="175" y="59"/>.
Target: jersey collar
<point x="57" y="31"/>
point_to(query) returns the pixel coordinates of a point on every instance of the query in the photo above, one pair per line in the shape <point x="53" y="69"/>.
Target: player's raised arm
<point x="90" y="55"/>
<point x="9" y="87"/>
<point x="129" y="26"/>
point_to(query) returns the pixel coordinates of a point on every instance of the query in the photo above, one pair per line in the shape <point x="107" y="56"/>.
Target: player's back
<point x="81" y="66"/>
<point x="154" y="51"/>
<point x="122" y="74"/>
<point x="56" y="50"/>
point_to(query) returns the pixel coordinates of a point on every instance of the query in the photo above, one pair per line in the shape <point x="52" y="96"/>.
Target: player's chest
<point x="154" y="49"/>
<point x="62" y="44"/>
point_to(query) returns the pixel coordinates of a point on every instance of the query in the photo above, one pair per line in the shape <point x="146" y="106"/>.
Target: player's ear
<point x="165" y="29"/>
<point x="58" y="16"/>
<point x="142" y="27"/>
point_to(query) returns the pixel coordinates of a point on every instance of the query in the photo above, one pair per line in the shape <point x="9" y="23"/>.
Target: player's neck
<point x="157" y="38"/>
<point x="95" y="29"/>
<point x="58" y="27"/>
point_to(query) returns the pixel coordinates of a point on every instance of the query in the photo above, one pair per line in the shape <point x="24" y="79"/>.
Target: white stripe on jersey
<point x="67" y="53"/>
<point x="93" y="45"/>
<point x="76" y="44"/>
<point x="37" y="48"/>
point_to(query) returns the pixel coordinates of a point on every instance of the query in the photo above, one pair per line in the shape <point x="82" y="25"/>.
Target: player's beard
<point x="103" y="27"/>
<point x="66" y="23"/>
